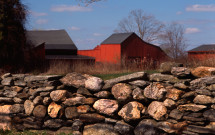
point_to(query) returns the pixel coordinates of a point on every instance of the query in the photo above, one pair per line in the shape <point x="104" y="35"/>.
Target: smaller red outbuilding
<point x="125" y="46"/>
<point x="202" y="52"/>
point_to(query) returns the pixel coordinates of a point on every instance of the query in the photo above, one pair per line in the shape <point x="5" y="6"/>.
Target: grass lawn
<point x="111" y="76"/>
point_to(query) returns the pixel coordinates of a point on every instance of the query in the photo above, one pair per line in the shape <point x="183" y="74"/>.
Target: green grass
<point x="111" y="76"/>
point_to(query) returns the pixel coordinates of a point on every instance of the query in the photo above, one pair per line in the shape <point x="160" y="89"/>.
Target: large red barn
<point x="202" y="52"/>
<point x="125" y="46"/>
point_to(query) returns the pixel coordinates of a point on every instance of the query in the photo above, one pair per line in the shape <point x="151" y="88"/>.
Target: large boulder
<point x="191" y="107"/>
<point x="127" y="78"/>
<point x="5" y="120"/>
<point x="166" y="67"/>
<point x="157" y="110"/>
<point x="122" y="92"/>
<point x="54" y="110"/>
<point x="203" y="71"/>
<point x="155" y="91"/>
<point x="94" y="83"/>
<point x="106" y="106"/>
<point x="74" y="79"/>
<point x="203" y="99"/>
<point x="147" y="127"/>
<point x="99" y="129"/>
<point x="158" y="77"/>
<point x="58" y="95"/>
<point x="131" y="111"/>
<point x="181" y="72"/>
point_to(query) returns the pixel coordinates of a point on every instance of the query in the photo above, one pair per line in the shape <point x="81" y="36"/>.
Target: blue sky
<point x="89" y="26"/>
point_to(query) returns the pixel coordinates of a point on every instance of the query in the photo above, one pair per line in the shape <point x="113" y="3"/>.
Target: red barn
<point x="125" y="46"/>
<point x="202" y="52"/>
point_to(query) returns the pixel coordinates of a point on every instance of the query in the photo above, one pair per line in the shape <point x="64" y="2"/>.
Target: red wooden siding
<point x="201" y="55"/>
<point x="40" y="51"/>
<point x="132" y="48"/>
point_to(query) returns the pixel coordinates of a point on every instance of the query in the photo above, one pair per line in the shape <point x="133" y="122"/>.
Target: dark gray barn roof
<point x="65" y="57"/>
<point x="210" y="47"/>
<point x="54" y="39"/>
<point x="117" y="38"/>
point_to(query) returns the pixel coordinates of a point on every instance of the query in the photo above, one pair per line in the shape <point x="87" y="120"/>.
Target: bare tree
<point x="144" y="25"/>
<point x="173" y="41"/>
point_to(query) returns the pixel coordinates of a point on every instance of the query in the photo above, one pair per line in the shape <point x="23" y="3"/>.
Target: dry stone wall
<point x="175" y="101"/>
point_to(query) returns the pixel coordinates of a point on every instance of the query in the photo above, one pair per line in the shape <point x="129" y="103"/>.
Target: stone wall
<point x="176" y="101"/>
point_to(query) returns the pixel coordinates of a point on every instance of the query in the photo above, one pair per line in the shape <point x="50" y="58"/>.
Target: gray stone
<point x="191" y="107"/>
<point x="20" y="83"/>
<point x="147" y="127"/>
<point x="123" y="128"/>
<point x="58" y="95"/>
<point x="201" y="130"/>
<point x="74" y="101"/>
<point x="77" y="125"/>
<point x="7" y="81"/>
<point x="83" y="91"/>
<point x="171" y="128"/>
<point x="203" y="99"/>
<point x="16" y="89"/>
<point x="181" y="86"/>
<point x="74" y="79"/>
<point x="209" y="115"/>
<point x="6" y="75"/>
<point x="53" y="123"/>
<point x="202" y="83"/>
<point x="84" y="109"/>
<point x="99" y="129"/>
<point x="5" y="120"/>
<point x="17" y="108"/>
<point x="106" y="106"/>
<point x="157" y="110"/>
<point x="38" y="100"/>
<point x="166" y="67"/>
<point x="94" y="83"/>
<point x="174" y="94"/>
<point x="176" y="114"/>
<point x="91" y="118"/>
<point x="122" y="92"/>
<point x="139" y="83"/>
<point x="127" y="78"/>
<point x="163" y="78"/>
<point x="44" y="94"/>
<point x="110" y="121"/>
<point x="29" y="107"/>
<point x="102" y="94"/>
<point x="203" y="71"/>
<point x="40" y="111"/>
<point x="138" y="94"/>
<point x="189" y="94"/>
<point x="31" y="123"/>
<point x="193" y="119"/>
<point x="203" y="92"/>
<point x="32" y="78"/>
<point x="71" y="112"/>
<point x="6" y="100"/>
<point x="169" y="103"/>
<point x="18" y="100"/>
<point x="155" y="91"/>
<point x="9" y="93"/>
<point x="47" y="100"/>
<point x="131" y="111"/>
<point x="55" y="110"/>
<point x="181" y="72"/>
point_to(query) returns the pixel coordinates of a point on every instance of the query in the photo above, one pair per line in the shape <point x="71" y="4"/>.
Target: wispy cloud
<point x="178" y="13"/>
<point x="196" y="21"/>
<point x="201" y="8"/>
<point x="38" y="13"/>
<point x="97" y="34"/>
<point x="73" y="28"/>
<point x="41" y="21"/>
<point x="191" y="30"/>
<point x="70" y="8"/>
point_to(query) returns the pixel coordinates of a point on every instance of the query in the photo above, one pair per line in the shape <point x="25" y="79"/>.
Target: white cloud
<point x="68" y="8"/>
<point x="73" y="28"/>
<point x="196" y="21"/>
<point x="191" y="30"/>
<point x="41" y="21"/>
<point x="201" y="8"/>
<point x="178" y="13"/>
<point x="97" y="34"/>
<point x="38" y="13"/>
